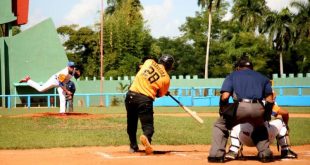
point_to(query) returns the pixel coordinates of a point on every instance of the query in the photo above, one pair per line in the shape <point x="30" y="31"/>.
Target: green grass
<point x="48" y="132"/>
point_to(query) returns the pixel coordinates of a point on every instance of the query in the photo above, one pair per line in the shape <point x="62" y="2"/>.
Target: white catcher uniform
<point x="56" y="80"/>
<point x="242" y="132"/>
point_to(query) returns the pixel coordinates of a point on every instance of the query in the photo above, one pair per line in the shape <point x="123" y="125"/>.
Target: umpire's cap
<point x="244" y="62"/>
<point x="167" y="60"/>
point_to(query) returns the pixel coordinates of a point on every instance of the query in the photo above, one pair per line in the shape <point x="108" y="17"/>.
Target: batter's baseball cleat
<point x="216" y="159"/>
<point x="133" y="148"/>
<point x="288" y="154"/>
<point x="231" y="155"/>
<point x="24" y="79"/>
<point x="145" y="142"/>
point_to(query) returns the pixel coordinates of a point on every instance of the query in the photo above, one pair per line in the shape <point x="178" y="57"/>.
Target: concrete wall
<point x="111" y="85"/>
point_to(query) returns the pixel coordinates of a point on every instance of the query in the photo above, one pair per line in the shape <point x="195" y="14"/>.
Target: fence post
<point x="87" y="101"/>
<point x="299" y="91"/>
<point x="9" y="102"/>
<point x="107" y="100"/>
<point x="48" y="101"/>
<point x="210" y="92"/>
<point x="281" y="91"/>
<point x="28" y="102"/>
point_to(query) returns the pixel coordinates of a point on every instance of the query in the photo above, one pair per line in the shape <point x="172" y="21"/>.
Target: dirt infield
<point x="163" y="155"/>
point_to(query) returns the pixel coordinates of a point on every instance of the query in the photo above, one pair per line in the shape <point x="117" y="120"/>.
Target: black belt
<point x="140" y="95"/>
<point x="250" y="100"/>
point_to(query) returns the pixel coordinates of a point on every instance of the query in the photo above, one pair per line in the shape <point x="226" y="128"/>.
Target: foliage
<point x="3" y="30"/>
<point x="271" y="39"/>
<point x="250" y="13"/>
<point x="125" y="39"/>
<point x="82" y="46"/>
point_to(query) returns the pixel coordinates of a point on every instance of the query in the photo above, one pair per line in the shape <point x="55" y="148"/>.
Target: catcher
<point x="277" y="129"/>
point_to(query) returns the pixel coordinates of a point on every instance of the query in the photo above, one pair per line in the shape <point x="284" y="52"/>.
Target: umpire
<point x="248" y="88"/>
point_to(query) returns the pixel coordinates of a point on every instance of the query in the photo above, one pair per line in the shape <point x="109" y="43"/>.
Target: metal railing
<point x="190" y="96"/>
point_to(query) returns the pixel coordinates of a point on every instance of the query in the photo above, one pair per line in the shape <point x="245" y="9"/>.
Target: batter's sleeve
<point x="164" y="89"/>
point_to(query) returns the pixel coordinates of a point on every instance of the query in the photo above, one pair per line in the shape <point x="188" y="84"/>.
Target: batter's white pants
<point x="52" y="82"/>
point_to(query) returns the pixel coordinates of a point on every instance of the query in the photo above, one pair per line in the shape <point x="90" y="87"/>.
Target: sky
<point x="164" y="17"/>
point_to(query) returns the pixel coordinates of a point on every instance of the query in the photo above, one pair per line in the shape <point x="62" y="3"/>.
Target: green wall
<point x="37" y="52"/>
<point x="6" y="14"/>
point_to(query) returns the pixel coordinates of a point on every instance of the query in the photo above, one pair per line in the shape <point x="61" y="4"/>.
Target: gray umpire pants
<point x="246" y="112"/>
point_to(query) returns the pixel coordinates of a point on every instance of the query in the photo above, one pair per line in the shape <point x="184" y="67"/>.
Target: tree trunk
<point x="281" y="64"/>
<point x="208" y="45"/>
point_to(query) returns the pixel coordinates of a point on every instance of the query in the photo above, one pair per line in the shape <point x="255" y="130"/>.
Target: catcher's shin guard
<point x="286" y="152"/>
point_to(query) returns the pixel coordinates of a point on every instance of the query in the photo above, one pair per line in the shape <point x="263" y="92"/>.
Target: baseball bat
<point x="189" y="111"/>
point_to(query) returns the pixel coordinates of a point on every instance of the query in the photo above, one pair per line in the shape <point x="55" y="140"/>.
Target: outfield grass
<point x="48" y="132"/>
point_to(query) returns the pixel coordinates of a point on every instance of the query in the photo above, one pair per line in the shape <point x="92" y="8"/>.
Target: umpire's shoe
<point x="288" y="154"/>
<point x="145" y="142"/>
<point x="216" y="159"/>
<point x="265" y="156"/>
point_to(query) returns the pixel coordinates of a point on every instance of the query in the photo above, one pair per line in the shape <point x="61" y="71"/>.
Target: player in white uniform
<point x="277" y="129"/>
<point x="57" y="80"/>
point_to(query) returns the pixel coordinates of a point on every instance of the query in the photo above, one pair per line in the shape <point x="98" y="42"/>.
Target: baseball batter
<point x="57" y="80"/>
<point x="151" y="81"/>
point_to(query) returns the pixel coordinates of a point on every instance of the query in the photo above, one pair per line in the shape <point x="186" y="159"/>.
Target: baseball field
<point x="98" y="136"/>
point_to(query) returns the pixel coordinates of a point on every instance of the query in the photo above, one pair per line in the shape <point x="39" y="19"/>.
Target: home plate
<point x="109" y="156"/>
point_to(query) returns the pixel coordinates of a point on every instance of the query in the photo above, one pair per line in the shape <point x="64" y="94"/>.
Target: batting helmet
<point x="167" y="60"/>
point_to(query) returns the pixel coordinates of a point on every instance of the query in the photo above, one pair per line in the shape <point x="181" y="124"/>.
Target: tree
<point x="250" y="13"/>
<point x="4" y="30"/>
<point x="183" y="54"/>
<point x="209" y="5"/>
<point x="82" y="46"/>
<point x="278" y="26"/>
<point x="302" y="19"/>
<point x="126" y="40"/>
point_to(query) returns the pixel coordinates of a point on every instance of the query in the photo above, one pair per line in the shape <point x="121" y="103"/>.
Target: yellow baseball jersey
<point x="152" y="80"/>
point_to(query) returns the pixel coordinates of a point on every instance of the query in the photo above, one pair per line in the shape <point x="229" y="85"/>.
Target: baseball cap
<point x="71" y="64"/>
<point x="244" y="62"/>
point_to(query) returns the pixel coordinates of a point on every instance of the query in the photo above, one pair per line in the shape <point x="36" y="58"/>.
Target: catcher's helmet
<point x="167" y="60"/>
